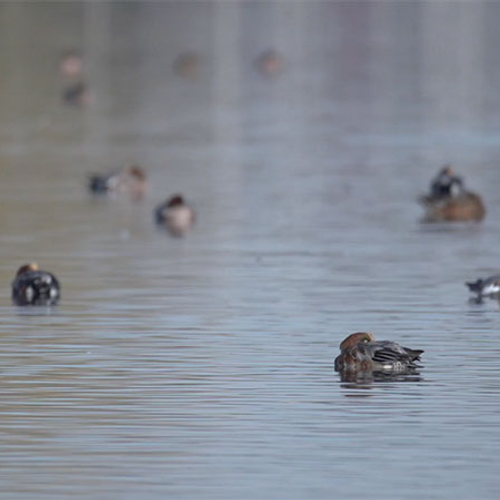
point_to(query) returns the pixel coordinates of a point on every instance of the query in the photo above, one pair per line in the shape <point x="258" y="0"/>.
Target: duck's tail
<point x="414" y="353"/>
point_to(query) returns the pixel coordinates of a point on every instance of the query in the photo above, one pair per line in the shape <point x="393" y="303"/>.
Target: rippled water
<point x="203" y="367"/>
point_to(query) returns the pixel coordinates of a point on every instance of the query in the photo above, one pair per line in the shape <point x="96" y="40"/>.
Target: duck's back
<point x="36" y="288"/>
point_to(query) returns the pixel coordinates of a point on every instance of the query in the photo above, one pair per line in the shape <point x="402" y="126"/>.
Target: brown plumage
<point x="449" y="201"/>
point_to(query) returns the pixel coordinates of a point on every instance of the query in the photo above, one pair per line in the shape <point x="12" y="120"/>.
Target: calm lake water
<point x="202" y="367"/>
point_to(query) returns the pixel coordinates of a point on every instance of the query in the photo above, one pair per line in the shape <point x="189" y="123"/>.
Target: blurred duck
<point x="76" y="94"/>
<point x="360" y="351"/>
<point x="176" y="215"/>
<point x="131" y="180"/>
<point x="488" y="287"/>
<point x="71" y="64"/>
<point x="448" y="200"/>
<point x="32" y="287"/>
<point x="270" y="63"/>
<point x="188" y="65"/>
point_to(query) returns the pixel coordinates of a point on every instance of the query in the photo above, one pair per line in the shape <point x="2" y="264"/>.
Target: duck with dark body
<point x="33" y="287"/>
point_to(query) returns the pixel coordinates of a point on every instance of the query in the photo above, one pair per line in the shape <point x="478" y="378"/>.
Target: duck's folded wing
<point x="384" y="352"/>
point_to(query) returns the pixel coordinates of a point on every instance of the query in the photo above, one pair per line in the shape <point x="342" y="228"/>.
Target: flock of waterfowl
<point x="447" y="201"/>
<point x="188" y="65"/>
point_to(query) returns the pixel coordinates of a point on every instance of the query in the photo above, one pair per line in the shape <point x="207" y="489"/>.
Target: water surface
<point x="202" y="367"/>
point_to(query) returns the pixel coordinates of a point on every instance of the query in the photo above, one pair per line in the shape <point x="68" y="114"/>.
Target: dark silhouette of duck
<point x="33" y="287"/>
<point x="131" y="180"/>
<point x="449" y="201"/>
<point x="487" y="287"/>
<point x="176" y="215"/>
<point x="360" y="351"/>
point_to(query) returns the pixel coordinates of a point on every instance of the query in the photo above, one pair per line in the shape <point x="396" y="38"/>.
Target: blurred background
<point x="202" y="367"/>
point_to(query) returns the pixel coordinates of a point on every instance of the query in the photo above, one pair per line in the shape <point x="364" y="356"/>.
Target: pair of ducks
<point x="174" y="214"/>
<point x="358" y="352"/>
<point x="449" y="201"/>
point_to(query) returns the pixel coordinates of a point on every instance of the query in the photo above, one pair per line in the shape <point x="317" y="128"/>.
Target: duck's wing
<point x="390" y="352"/>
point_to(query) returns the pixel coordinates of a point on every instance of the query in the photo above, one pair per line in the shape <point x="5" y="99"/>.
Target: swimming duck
<point x="32" y="287"/>
<point x="71" y="64"/>
<point x="360" y="351"/>
<point x="176" y="215"/>
<point x="131" y="180"/>
<point x="448" y="200"/>
<point x="270" y="63"/>
<point x="188" y="65"/>
<point x="487" y="287"/>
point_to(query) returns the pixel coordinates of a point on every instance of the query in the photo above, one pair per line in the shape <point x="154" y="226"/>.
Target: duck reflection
<point x="366" y="378"/>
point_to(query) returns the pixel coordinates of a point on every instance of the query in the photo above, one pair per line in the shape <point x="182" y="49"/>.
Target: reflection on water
<point x="202" y="367"/>
<point x="364" y="379"/>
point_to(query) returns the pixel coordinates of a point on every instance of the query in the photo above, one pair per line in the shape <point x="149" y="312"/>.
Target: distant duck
<point x="360" y="351"/>
<point x="270" y="63"/>
<point x="188" y="65"/>
<point x="131" y="180"/>
<point x="76" y="94"/>
<point x="32" y="287"/>
<point x="71" y="64"/>
<point x="488" y="287"/>
<point x="176" y="215"/>
<point x="449" y="201"/>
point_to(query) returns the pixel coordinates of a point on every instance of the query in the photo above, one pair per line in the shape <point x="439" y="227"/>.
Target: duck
<point x="360" y="351"/>
<point x="270" y="63"/>
<point x="188" y="65"/>
<point x="131" y="180"/>
<point x="176" y="215"/>
<point x="487" y="287"/>
<point x="33" y="287"/>
<point x="449" y="201"/>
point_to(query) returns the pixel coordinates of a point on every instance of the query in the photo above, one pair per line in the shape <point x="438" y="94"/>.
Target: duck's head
<point x="136" y="172"/>
<point x="356" y="338"/>
<point x="175" y="201"/>
<point x="448" y="170"/>
<point x="26" y="268"/>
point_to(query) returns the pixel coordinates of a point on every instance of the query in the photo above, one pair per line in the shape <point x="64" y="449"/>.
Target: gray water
<point x="202" y="367"/>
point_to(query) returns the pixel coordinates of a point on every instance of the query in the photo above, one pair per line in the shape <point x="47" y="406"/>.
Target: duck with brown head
<point x="176" y="215"/>
<point x="360" y="351"/>
<point x="33" y="287"/>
